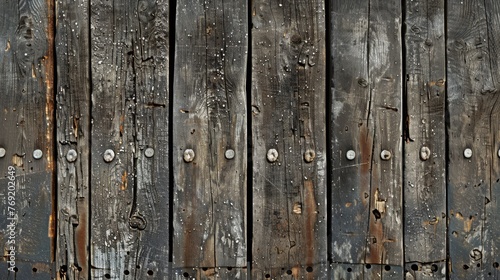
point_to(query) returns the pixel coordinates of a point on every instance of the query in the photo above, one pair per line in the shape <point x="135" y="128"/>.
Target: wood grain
<point x="130" y="194"/>
<point x="424" y="148"/>
<point x="209" y="109"/>
<point x="366" y="196"/>
<point x="27" y="121"/>
<point x="472" y="107"/>
<point x="73" y="139"/>
<point x="288" y="115"/>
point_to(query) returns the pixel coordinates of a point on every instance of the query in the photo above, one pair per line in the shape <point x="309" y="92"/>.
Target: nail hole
<point x="268" y="276"/>
<point x="204" y="268"/>
<point x="387" y="267"/>
<point x="138" y="266"/>
<point x="414" y="267"/>
<point x="349" y="269"/>
<point x="309" y="269"/>
<point x="495" y="265"/>
<point x="434" y="267"/>
<point x="79" y="268"/>
<point x="229" y="268"/>
<point x="185" y="274"/>
<point x="478" y="265"/>
<point x="34" y="269"/>
<point x="63" y="268"/>
<point x="368" y="266"/>
<point x="289" y="272"/>
<point x="150" y="272"/>
<point x="107" y="276"/>
<point x="16" y="269"/>
<point x="126" y="272"/>
<point x="466" y="267"/>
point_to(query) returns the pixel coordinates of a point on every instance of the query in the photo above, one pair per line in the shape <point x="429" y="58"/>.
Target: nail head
<point x="272" y="155"/>
<point x="149" y="152"/>
<point x="425" y="153"/>
<point x="350" y="155"/>
<point x="309" y="155"/>
<point x="468" y="153"/>
<point x="109" y="155"/>
<point x="71" y="155"/>
<point x="37" y="154"/>
<point x="2" y="152"/>
<point x="189" y="155"/>
<point x="498" y="152"/>
<point x="385" y="155"/>
<point x="229" y="154"/>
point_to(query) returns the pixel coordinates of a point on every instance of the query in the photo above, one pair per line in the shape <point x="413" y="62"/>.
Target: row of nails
<point x="272" y="154"/>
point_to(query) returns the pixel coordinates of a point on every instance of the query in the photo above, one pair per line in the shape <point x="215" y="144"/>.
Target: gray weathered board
<point x="289" y="139"/>
<point x="425" y="218"/>
<point x="366" y="191"/>
<point x="130" y="193"/>
<point x="258" y="90"/>
<point x="210" y="138"/>
<point x="27" y="124"/>
<point x="473" y="109"/>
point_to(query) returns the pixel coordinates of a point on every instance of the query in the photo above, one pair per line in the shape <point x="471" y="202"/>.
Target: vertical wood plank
<point x="73" y="138"/>
<point x="425" y="155"/>
<point x="473" y="109"/>
<point x="366" y="119"/>
<point x="27" y="121"/>
<point x="210" y="139"/>
<point x="130" y="190"/>
<point x="288" y="136"/>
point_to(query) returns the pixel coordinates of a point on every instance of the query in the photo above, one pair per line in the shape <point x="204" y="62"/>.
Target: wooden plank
<point x="130" y="191"/>
<point x="366" y="119"/>
<point x="289" y="139"/>
<point x="73" y="137"/>
<point x="27" y="121"/>
<point x="425" y="151"/>
<point x="209" y="109"/>
<point x="473" y="111"/>
<point x="426" y="271"/>
<point x="365" y="271"/>
<point x="211" y="273"/>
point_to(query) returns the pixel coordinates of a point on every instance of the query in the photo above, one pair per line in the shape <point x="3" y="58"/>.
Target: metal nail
<point x="189" y="155"/>
<point x="137" y="222"/>
<point x="309" y="155"/>
<point x="385" y="155"/>
<point x="350" y="155"/>
<point x="71" y="155"/>
<point x="37" y="154"/>
<point x="468" y="153"/>
<point x="2" y="152"/>
<point x="272" y="155"/>
<point x="229" y="154"/>
<point x="109" y="155"/>
<point x="425" y="153"/>
<point x="149" y="152"/>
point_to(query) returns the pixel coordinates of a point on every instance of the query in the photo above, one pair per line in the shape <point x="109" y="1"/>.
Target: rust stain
<point x="210" y="272"/>
<point x="310" y="216"/>
<point x="468" y="224"/>
<point x="348" y="204"/>
<point x="365" y="146"/>
<point x="48" y="62"/>
<point x="52" y="226"/>
<point x="122" y="120"/>
<point x="81" y="236"/>
<point x="124" y="184"/>
<point x="296" y="272"/>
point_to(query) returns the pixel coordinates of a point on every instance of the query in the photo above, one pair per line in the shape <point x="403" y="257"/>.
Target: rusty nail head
<point x="309" y="155"/>
<point x="2" y="152"/>
<point x="71" y="155"/>
<point x="350" y="155"/>
<point x="468" y="153"/>
<point x="37" y="154"/>
<point x="189" y="155"/>
<point x="385" y="155"/>
<point x="425" y="153"/>
<point x="229" y="154"/>
<point x="149" y="152"/>
<point x="272" y="155"/>
<point x="109" y="155"/>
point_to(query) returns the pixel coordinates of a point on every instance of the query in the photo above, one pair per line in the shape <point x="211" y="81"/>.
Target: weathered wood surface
<point x="473" y="111"/>
<point x="130" y="191"/>
<point x="209" y="109"/>
<point x="289" y="139"/>
<point x="366" y="118"/>
<point x="425" y="218"/>
<point x="365" y="271"/>
<point x="73" y="139"/>
<point x="27" y="123"/>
